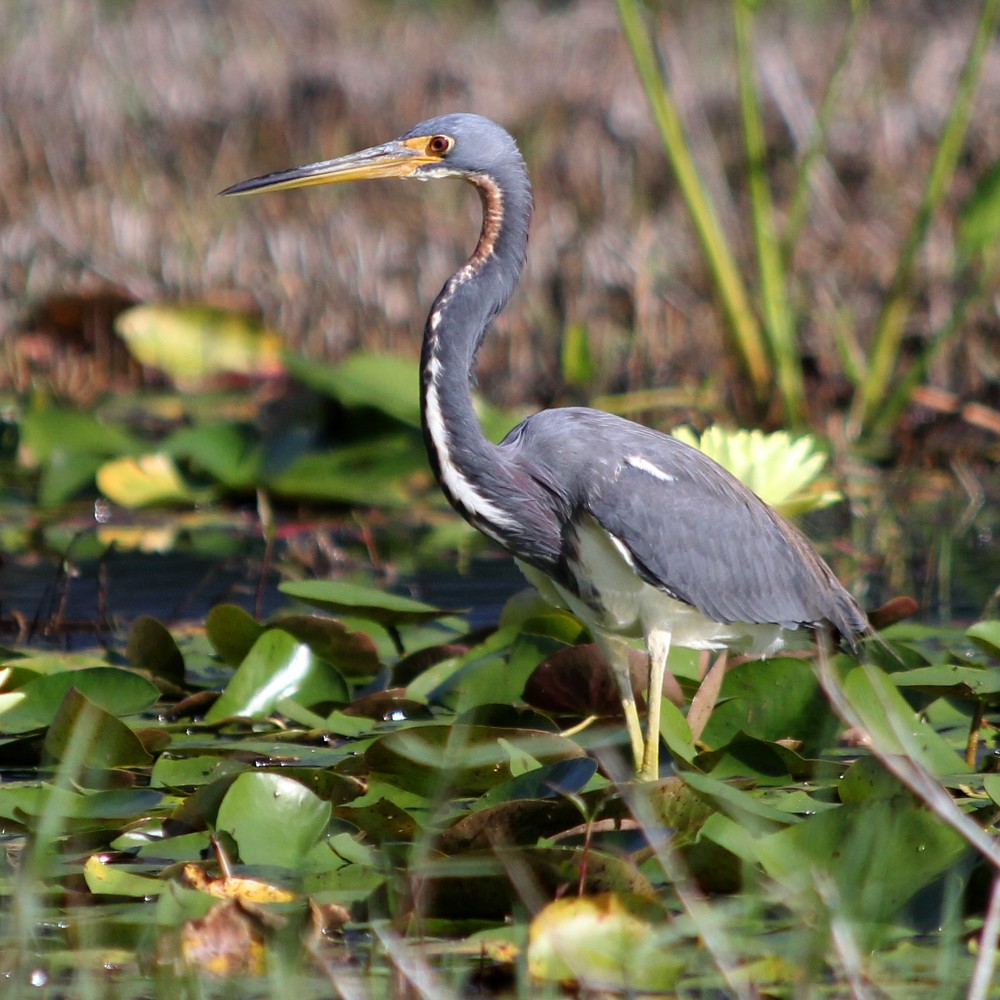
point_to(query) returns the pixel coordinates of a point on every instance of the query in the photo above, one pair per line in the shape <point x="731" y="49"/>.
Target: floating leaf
<point x="878" y="853"/>
<point x="385" y="382"/>
<point x="228" y="941"/>
<point x="951" y="680"/>
<point x="250" y="890"/>
<point x="227" y="452"/>
<point x="771" y="700"/>
<point x="117" y="880"/>
<point x="151" y="647"/>
<point x="466" y="759"/>
<point x="370" y="473"/>
<point x="986" y="635"/>
<point x="362" y="602"/>
<point x="48" y="431"/>
<point x="232" y="632"/>
<point x="893" y="725"/>
<point x="603" y="942"/>
<point x="274" y="820"/>
<point x="278" y="667"/>
<point x="561" y="778"/>
<point x="89" y="741"/>
<point x="352" y="653"/>
<point x="144" y="480"/>
<point x="192" y="343"/>
<point x="115" y="691"/>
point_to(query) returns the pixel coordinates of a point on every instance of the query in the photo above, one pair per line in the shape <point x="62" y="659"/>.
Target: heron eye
<point x="440" y="144"/>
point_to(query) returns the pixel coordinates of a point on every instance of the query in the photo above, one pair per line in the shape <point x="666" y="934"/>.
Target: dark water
<point x="945" y="551"/>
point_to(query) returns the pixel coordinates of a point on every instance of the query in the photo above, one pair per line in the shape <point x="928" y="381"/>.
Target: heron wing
<point x="691" y="528"/>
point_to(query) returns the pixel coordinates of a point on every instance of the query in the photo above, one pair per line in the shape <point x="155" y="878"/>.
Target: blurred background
<point x="121" y="119"/>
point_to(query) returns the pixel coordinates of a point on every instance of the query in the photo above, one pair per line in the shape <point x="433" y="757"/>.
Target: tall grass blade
<point x="892" y="321"/>
<point x="743" y="323"/>
<point x="778" y="323"/>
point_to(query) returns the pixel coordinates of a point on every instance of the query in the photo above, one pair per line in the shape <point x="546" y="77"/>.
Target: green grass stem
<point x="779" y="326"/>
<point x="733" y="295"/>
<point x="889" y="328"/>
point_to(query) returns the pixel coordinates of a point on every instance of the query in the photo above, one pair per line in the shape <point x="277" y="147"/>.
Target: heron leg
<point x="658" y="645"/>
<point x="615" y="650"/>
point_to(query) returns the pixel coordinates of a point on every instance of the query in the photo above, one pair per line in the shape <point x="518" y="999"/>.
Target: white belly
<point x="626" y="605"/>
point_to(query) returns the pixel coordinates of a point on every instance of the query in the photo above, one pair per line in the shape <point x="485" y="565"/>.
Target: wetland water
<point x="944" y="550"/>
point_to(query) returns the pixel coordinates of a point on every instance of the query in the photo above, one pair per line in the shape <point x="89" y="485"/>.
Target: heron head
<point x="455" y="145"/>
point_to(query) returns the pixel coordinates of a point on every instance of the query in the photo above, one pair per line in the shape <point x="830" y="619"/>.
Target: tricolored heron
<point x="636" y="533"/>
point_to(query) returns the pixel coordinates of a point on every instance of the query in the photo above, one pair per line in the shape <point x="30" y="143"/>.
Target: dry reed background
<point x="122" y="118"/>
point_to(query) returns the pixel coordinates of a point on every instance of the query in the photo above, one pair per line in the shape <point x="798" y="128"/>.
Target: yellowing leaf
<point x="249" y="890"/>
<point x="194" y="343"/>
<point x="606" y="941"/>
<point x="227" y="941"/>
<point x="137" y="482"/>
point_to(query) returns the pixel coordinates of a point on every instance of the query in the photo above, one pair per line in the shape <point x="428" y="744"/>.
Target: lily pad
<point x="468" y="760"/>
<point x="274" y="820"/>
<point x="191" y="343"/>
<point x="89" y="740"/>
<point x="143" y="480"/>
<point x="279" y="667"/>
<point x="118" y="692"/>
<point x="604" y="942"/>
<point x="151" y="647"/>
<point x="386" y="383"/>
<point x="362" y="602"/>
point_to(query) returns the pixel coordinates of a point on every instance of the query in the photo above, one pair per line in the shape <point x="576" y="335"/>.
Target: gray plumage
<point x="637" y="533"/>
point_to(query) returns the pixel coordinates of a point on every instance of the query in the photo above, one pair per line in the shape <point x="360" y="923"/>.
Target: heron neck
<point x="465" y="463"/>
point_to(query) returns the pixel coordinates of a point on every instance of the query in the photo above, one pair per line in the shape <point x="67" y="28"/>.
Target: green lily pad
<point x="950" y="680"/>
<point x="274" y="820"/>
<point x="362" y="602"/>
<point x="384" y="382"/>
<point x="118" y="692"/>
<point x="894" y="726"/>
<point x="986" y="635"/>
<point x="278" y="667"/>
<point x="151" y="647"/>
<point x="227" y="452"/>
<point x="352" y="653"/>
<point x="771" y="700"/>
<point x="232" y="632"/>
<point x="878" y="853"/>
<point x="88" y="739"/>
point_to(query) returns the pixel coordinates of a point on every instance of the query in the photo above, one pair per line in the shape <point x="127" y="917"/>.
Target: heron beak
<point x="399" y="158"/>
